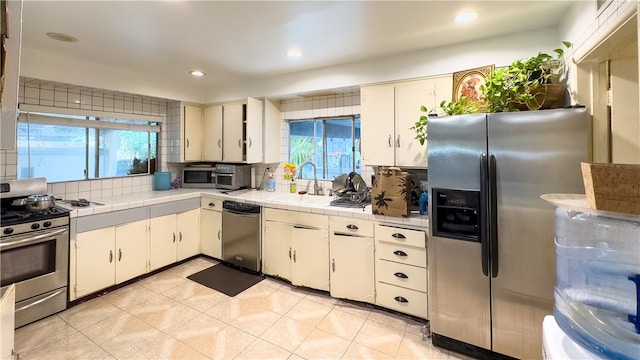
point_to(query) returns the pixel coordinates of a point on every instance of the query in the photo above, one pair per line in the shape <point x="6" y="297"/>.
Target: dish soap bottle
<point x="271" y="183"/>
<point x="292" y="186"/>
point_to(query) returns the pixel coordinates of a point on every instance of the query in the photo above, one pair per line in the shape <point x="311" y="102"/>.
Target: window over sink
<point x="69" y="147"/>
<point x="332" y="144"/>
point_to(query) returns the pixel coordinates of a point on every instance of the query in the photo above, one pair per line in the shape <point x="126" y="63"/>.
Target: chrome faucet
<point x="317" y="189"/>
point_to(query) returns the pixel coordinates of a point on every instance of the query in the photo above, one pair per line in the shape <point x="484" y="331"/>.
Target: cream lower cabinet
<point x="7" y="322"/>
<point x="173" y="237"/>
<point x="108" y="256"/>
<point x="296" y="247"/>
<point x="401" y="269"/>
<point x="351" y="248"/>
<point x="211" y="227"/>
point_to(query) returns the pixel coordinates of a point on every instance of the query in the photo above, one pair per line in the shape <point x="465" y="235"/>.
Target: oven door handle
<point x="27" y="239"/>
<point x="40" y="301"/>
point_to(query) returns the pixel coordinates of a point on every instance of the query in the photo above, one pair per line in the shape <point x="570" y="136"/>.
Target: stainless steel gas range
<point x="34" y="251"/>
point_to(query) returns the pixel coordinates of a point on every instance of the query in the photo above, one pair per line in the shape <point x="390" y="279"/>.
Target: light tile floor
<point x="167" y="316"/>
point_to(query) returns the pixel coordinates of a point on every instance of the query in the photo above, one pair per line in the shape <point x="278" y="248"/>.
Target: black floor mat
<point x="224" y="278"/>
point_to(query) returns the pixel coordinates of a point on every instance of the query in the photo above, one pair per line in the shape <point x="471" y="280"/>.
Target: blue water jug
<point x="423" y="202"/>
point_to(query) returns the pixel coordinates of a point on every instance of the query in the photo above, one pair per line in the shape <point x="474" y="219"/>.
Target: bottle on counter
<point x="271" y="183"/>
<point x="423" y="202"/>
<point x="292" y="186"/>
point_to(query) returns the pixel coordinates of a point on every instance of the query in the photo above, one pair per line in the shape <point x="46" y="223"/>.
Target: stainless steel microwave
<point x="199" y="177"/>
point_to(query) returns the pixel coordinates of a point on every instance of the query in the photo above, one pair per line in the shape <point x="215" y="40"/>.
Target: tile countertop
<point x="262" y="198"/>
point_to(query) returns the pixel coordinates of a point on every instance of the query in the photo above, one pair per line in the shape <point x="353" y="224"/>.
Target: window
<point x="75" y="147"/>
<point x="331" y="144"/>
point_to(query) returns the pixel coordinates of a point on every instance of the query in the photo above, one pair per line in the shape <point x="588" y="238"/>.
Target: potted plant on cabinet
<point x="532" y="83"/>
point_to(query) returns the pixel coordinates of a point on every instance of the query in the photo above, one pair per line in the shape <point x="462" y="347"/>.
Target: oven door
<point x="37" y="262"/>
<point x="225" y="181"/>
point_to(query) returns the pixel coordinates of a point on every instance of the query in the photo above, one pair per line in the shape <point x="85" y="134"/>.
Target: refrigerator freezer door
<point x="536" y="152"/>
<point x="459" y="293"/>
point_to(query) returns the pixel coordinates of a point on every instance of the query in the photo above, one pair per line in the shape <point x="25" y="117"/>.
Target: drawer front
<point x="305" y="219"/>
<point x="407" y="276"/>
<point x="351" y="226"/>
<point x="401" y="236"/>
<point x="402" y="254"/>
<point x="400" y="299"/>
<point x="211" y="203"/>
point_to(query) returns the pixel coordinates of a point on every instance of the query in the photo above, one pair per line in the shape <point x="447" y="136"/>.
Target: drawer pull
<point x="400" y="299"/>
<point x="401" y="275"/>
<point x="212" y="204"/>
<point x="352" y="227"/>
<point x="400" y="253"/>
<point x="398" y="236"/>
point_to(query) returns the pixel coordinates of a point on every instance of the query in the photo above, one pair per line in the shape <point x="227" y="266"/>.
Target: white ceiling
<point x="244" y="41"/>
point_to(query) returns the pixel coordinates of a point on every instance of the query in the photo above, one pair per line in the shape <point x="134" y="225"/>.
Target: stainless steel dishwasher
<point x="241" y="235"/>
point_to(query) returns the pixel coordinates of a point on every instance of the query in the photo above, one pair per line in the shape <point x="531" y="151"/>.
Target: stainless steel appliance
<point x="491" y="251"/>
<point x="241" y="235"/>
<point x="232" y="177"/>
<point x="34" y="251"/>
<point x="199" y="177"/>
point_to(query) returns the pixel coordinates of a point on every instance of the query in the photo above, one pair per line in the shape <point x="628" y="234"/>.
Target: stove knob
<point x="8" y="231"/>
<point x="47" y="224"/>
<point x="35" y="226"/>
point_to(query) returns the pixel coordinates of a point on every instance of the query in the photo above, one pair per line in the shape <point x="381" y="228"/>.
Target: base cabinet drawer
<point x="407" y="276"/>
<point x="400" y="299"/>
<point x="402" y="254"/>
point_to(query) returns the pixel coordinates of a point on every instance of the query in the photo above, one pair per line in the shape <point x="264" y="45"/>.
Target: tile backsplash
<point x="65" y="96"/>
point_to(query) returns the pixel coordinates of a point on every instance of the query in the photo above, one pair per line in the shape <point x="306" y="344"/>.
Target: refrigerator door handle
<point x="484" y="210"/>
<point x="493" y="213"/>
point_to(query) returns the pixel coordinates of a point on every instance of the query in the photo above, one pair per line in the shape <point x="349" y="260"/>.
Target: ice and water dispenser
<point x="456" y="214"/>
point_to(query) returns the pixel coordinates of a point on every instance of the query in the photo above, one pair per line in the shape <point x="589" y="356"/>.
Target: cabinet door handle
<point x="294" y="256"/>
<point x="398" y="141"/>
<point x="400" y="299"/>
<point x="389" y="141"/>
<point x="333" y="265"/>
<point x="219" y="142"/>
<point x="398" y="236"/>
<point x="401" y="275"/>
<point x="180" y="240"/>
<point x="239" y="142"/>
<point x="289" y="253"/>
<point x="174" y="238"/>
<point x="110" y="256"/>
<point x="352" y="227"/>
<point x="187" y="142"/>
<point x="119" y="254"/>
<point x="400" y="253"/>
<point x="250" y="143"/>
<point x="218" y="234"/>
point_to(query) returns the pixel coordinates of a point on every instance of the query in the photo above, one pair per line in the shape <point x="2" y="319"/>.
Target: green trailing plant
<point x="521" y="82"/>
<point x="420" y="126"/>
<point x="461" y="106"/>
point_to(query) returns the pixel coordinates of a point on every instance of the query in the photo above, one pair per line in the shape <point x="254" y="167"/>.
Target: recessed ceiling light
<point x="197" y="73"/>
<point x="465" y="18"/>
<point x="61" y="37"/>
<point x="294" y="53"/>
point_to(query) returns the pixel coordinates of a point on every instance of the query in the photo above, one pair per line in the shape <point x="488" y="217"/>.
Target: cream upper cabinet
<point x="191" y="126"/>
<point x="212" y="133"/>
<point x="232" y="132"/>
<point x="387" y="114"/>
<point x="242" y="131"/>
<point x="10" y="73"/>
<point x="377" y="117"/>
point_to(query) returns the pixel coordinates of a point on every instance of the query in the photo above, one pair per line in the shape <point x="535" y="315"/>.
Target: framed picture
<point x="467" y="83"/>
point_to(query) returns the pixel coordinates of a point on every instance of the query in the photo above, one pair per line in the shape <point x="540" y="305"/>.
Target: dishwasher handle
<point x="250" y="215"/>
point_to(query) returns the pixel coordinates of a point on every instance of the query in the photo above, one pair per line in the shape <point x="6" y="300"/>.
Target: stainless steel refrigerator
<point x="491" y="250"/>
